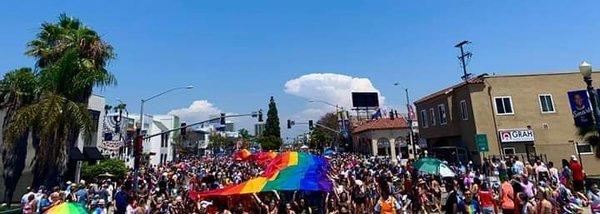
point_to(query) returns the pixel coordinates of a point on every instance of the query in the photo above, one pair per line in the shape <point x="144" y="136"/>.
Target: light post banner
<point x="581" y="108"/>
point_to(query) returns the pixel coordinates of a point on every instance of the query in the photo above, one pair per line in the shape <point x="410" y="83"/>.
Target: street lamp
<point x="586" y="71"/>
<point x="337" y="107"/>
<point x="155" y="96"/>
<point x="137" y="149"/>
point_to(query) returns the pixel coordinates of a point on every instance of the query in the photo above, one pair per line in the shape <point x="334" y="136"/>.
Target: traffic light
<point x="260" y="116"/>
<point x="289" y="124"/>
<point x="222" y="118"/>
<point x="310" y="125"/>
<point x="183" y="129"/>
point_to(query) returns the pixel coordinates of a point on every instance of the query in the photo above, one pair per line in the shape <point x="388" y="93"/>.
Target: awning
<point x="75" y="154"/>
<point x="92" y="153"/>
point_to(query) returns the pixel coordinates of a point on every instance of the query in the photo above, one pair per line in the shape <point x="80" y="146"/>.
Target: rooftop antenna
<point x="464" y="57"/>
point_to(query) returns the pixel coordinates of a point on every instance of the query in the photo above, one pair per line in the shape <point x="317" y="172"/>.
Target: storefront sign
<point x="516" y="135"/>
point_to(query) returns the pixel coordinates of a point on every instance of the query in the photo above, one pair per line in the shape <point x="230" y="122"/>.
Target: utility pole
<point x="410" y="124"/>
<point x="463" y="57"/>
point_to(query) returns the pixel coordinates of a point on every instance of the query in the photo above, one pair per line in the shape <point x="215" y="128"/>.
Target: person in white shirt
<point x="594" y="199"/>
<point x="25" y="197"/>
<point x="553" y="173"/>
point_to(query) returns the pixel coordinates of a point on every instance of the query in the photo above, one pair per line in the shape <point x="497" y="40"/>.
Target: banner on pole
<point x="581" y="108"/>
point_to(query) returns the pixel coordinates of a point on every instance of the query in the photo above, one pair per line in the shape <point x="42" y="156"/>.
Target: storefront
<point x="518" y="142"/>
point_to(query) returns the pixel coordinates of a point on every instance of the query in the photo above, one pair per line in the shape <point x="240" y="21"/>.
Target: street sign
<point x="482" y="143"/>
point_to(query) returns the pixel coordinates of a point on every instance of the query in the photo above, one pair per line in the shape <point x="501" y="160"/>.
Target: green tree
<point x="590" y="135"/>
<point x="244" y="134"/>
<point x="218" y="141"/>
<point x="17" y="89"/>
<point x="271" y="138"/>
<point x="71" y="59"/>
<point x="321" y="137"/>
<point x="113" y="166"/>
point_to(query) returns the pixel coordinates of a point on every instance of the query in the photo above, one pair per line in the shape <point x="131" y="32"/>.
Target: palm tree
<point x="91" y="54"/>
<point x="17" y="89"/>
<point x="590" y="135"/>
<point x="71" y="59"/>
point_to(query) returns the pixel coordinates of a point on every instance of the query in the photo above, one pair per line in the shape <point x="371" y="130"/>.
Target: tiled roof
<point x="380" y="124"/>
<point x="474" y="80"/>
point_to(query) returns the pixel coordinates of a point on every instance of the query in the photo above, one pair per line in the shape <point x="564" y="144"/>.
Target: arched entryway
<point x="402" y="147"/>
<point x="383" y="146"/>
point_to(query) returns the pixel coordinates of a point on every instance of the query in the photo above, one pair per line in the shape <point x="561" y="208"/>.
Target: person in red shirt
<point x="578" y="175"/>
<point x="486" y="199"/>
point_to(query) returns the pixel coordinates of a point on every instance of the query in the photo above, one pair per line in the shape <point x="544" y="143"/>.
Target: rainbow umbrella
<point x="67" y="208"/>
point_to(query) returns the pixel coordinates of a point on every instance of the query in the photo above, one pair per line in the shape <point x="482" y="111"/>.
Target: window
<point x="504" y="105"/>
<point x="546" y="103"/>
<point x="464" y="113"/>
<point x="509" y="151"/>
<point x="424" y="119"/>
<point x="442" y="114"/>
<point x="432" y="116"/>
<point x="584" y="148"/>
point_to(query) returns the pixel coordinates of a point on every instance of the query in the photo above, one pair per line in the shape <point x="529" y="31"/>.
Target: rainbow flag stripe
<point x="288" y="171"/>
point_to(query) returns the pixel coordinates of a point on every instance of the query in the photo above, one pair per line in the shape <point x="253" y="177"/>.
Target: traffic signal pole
<point x="138" y="144"/>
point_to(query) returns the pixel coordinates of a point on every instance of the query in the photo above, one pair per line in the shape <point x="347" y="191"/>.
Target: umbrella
<point x="67" y="208"/>
<point x="433" y="166"/>
<point x="106" y="174"/>
<point x="304" y="147"/>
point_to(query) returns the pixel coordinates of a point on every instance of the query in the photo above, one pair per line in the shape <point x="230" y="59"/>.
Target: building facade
<point x="528" y="116"/>
<point x="383" y="137"/>
<point x="85" y="149"/>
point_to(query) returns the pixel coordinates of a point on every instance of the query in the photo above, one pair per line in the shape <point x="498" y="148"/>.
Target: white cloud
<point x="329" y="87"/>
<point x="199" y="110"/>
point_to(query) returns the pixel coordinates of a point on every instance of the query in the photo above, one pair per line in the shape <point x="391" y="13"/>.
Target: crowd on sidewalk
<point x="362" y="184"/>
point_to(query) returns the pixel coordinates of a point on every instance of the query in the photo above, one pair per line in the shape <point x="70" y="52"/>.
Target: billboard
<point x="365" y="99"/>
<point x="581" y="108"/>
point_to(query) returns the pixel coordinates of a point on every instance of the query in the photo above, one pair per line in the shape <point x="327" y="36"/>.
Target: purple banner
<point x="581" y="108"/>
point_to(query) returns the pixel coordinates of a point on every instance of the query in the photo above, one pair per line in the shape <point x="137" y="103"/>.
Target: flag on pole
<point x="376" y="115"/>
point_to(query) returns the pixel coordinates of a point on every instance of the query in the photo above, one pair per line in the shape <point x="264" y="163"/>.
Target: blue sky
<point x="238" y="53"/>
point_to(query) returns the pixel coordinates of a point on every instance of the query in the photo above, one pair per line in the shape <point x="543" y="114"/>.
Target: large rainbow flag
<point x="288" y="171"/>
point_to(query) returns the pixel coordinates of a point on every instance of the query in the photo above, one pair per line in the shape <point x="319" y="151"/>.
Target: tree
<point x="112" y="166"/>
<point x="271" y="138"/>
<point x="245" y="138"/>
<point x="590" y="135"/>
<point x="17" y="89"/>
<point x="71" y="59"/>
<point x="218" y="141"/>
<point x="321" y="137"/>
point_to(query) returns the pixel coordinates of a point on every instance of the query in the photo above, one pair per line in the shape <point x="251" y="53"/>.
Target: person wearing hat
<point x="578" y="175"/>
<point x="101" y="208"/>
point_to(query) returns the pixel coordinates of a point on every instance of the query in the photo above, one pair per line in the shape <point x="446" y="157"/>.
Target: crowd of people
<point x="362" y="184"/>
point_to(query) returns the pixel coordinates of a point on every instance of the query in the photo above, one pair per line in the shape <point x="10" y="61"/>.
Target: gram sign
<point x="482" y="143"/>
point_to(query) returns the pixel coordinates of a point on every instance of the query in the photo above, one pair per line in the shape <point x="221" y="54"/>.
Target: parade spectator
<point x="578" y="175"/>
<point x="507" y="198"/>
<point x="31" y="205"/>
<point x="594" y="198"/>
<point x="469" y="204"/>
<point x="566" y="178"/>
<point x="486" y="198"/>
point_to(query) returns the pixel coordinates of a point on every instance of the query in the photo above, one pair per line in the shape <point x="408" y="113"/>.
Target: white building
<point x="159" y="149"/>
